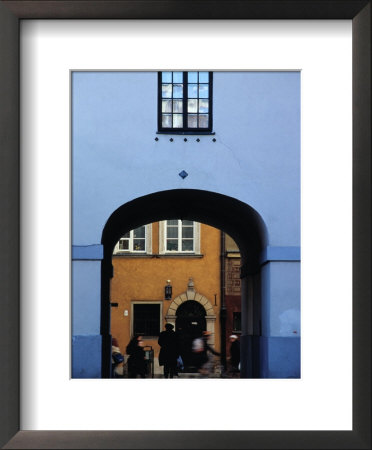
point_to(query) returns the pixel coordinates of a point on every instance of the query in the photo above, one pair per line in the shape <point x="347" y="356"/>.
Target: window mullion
<point x="185" y="90"/>
<point x="180" y="235"/>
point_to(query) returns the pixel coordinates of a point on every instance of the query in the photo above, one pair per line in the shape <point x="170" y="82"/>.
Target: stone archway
<point x="191" y="294"/>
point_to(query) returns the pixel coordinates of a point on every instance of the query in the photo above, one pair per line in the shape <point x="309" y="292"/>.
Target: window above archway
<point x="179" y="236"/>
<point x="135" y="241"/>
<point x="185" y="102"/>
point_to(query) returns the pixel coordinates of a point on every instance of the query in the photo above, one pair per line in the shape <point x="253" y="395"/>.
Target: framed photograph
<point x="319" y="399"/>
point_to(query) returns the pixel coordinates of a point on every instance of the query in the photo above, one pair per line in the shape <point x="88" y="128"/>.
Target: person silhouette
<point x="169" y="351"/>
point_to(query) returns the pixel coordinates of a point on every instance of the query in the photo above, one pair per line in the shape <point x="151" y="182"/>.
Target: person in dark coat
<point x="169" y="351"/>
<point x="234" y="355"/>
<point x="136" y="360"/>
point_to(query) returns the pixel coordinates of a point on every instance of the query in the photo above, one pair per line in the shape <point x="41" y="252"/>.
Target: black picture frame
<point x="11" y="12"/>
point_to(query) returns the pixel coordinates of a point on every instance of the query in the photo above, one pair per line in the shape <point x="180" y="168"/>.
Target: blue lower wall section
<point x="86" y="356"/>
<point x="280" y="357"/>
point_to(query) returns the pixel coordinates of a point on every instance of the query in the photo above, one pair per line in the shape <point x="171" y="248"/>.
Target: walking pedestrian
<point x="234" y="359"/>
<point x="169" y="351"/>
<point x="136" y="360"/>
<point x="116" y="359"/>
<point x="203" y="354"/>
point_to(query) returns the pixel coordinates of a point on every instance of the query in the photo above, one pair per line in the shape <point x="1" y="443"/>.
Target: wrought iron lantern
<point x="168" y="291"/>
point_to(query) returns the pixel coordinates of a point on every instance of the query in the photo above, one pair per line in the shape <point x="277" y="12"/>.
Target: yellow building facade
<point x="185" y="257"/>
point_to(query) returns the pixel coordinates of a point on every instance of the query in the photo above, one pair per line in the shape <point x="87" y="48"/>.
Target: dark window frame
<point x="156" y="320"/>
<point x="185" y="129"/>
<point x="237" y="321"/>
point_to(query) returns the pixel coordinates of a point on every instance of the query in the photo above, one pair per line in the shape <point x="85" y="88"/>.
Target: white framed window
<point x="135" y="241"/>
<point x="179" y="236"/>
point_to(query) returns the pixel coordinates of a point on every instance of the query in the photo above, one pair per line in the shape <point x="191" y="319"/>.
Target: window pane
<point x="187" y="222"/>
<point x="172" y="222"/>
<point x="177" y="90"/>
<point x="126" y="235"/>
<point x="166" y="106"/>
<point x="166" y="77"/>
<point x="123" y="244"/>
<point x="237" y="321"/>
<point x="187" y="245"/>
<point x="139" y="232"/>
<point x="166" y="90"/>
<point x="203" y="106"/>
<point x="172" y="232"/>
<point x="139" y="245"/>
<point x="172" y="244"/>
<point x="192" y="106"/>
<point x="146" y="320"/>
<point x="177" y="106"/>
<point x="177" y="77"/>
<point x="203" y="90"/>
<point x="203" y="121"/>
<point x="187" y="232"/>
<point x="203" y="77"/>
<point x="166" y="121"/>
<point x="193" y="77"/>
<point x="177" y="121"/>
<point x="192" y="121"/>
<point x="192" y="91"/>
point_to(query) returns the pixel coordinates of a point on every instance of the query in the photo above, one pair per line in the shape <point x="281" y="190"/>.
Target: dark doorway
<point x="190" y="324"/>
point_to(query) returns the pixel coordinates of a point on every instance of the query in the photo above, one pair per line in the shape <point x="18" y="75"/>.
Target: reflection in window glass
<point x="166" y="77"/>
<point x="177" y="106"/>
<point x="187" y="245"/>
<point x="185" y="101"/>
<point x="193" y="91"/>
<point x="203" y="121"/>
<point x="203" y="106"/>
<point x="138" y="245"/>
<point x="177" y="77"/>
<point x="166" y="121"/>
<point x="177" y="91"/>
<point x="166" y="91"/>
<point x="192" y="121"/>
<point x="192" y="106"/>
<point x="193" y="77"/>
<point x="203" y="91"/>
<point x="172" y="245"/>
<point x="177" y="121"/>
<point x="166" y="106"/>
<point x="133" y="241"/>
<point x="180" y="236"/>
<point x="203" y="77"/>
<point x="124" y="244"/>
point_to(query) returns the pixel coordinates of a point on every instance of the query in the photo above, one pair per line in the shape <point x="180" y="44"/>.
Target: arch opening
<point x="237" y="219"/>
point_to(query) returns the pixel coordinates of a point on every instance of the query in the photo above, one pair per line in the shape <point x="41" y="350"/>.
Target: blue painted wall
<point x="256" y="156"/>
<point x="255" y="159"/>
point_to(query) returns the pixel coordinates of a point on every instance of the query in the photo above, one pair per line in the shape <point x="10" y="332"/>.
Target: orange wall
<point x="144" y="278"/>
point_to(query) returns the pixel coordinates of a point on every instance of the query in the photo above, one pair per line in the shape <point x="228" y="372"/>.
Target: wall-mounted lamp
<point x="168" y="291"/>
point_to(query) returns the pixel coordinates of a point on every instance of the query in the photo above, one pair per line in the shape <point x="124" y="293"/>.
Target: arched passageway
<point x="230" y="215"/>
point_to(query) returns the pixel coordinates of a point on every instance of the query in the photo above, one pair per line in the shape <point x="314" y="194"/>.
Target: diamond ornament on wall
<point x="183" y="174"/>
